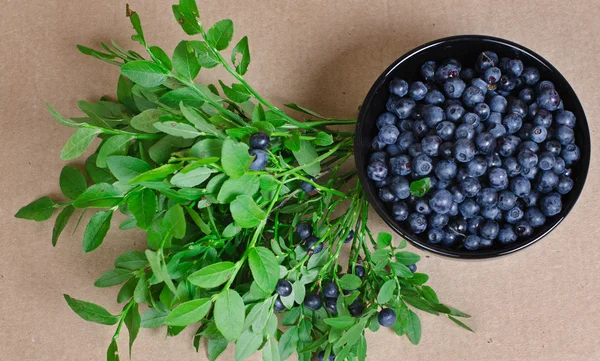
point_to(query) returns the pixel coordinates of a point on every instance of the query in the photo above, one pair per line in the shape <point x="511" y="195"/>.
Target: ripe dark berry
<point x="417" y="222"/>
<point x="464" y="150"/>
<point x="260" y="140"/>
<point x="412" y="267"/>
<point x="308" y="187"/>
<point x="507" y="234"/>
<point x="435" y="235"/>
<point x="551" y="204"/>
<point x="506" y="200"/>
<point x="330" y="290"/>
<point x="349" y="238"/>
<point x="386" y="317"/>
<point x="566" y="118"/>
<point x="310" y="242"/>
<point x="283" y="288"/>
<point x="523" y="229"/>
<point x="260" y="159"/>
<point x="535" y="217"/>
<point x="417" y="91"/>
<point x="331" y="305"/>
<point x="377" y="171"/>
<point x="441" y="202"/>
<point x="278" y="306"/>
<point x="356" y="308"/>
<point x="303" y="231"/>
<point x="400" y="211"/>
<point x="359" y="271"/>
<point x="313" y="301"/>
<point x="472" y="242"/>
<point x="384" y="119"/>
<point x="398" y="87"/>
<point x="401" y="107"/>
<point x="321" y="356"/>
<point x="428" y="71"/>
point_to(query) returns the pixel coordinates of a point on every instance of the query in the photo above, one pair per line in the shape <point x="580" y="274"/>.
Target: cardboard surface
<point x="540" y="304"/>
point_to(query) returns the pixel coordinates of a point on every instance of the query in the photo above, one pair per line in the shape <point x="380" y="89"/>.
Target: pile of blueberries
<point x="494" y="141"/>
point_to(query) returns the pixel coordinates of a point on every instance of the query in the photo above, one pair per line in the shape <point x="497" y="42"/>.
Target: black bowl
<point x="466" y="48"/>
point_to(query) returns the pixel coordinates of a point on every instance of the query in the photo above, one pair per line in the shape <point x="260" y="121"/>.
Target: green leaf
<point x="237" y="93"/>
<point x="133" y="260"/>
<point x="323" y="139"/>
<point x="182" y="95"/>
<point x="247" y="184"/>
<point x="384" y="239"/>
<point x="62" y="120"/>
<point x="91" y="312"/>
<point x="199" y="121"/>
<point x="231" y="230"/>
<point x="207" y="148"/>
<point x="38" y="210"/>
<point x="264" y="267"/>
<point x="429" y="294"/>
<point x="316" y="344"/>
<point x="133" y="322"/>
<point x="299" y="292"/>
<point x="259" y="316"/>
<point x="235" y="158"/>
<point x="229" y="314"/>
<point x="156" y="174"/>
<point x="380" y="255"/>
<point x="127" y="290"/>
<point x="125" y="168"/>
<point x="219" y="35"/>
<point x="154" y="318"/>
<point x="142" y="204"/>
<point x="174" y="221"/>
<point x="137" y="26"/>
<point x="145" y="121"/>
<point x="189" y="312"/>
<point x="178" y="129"/>
<point x="161" y="56"/>
<point x="413" y="328"/>
<point x="407" y="258"/>
<point x="101" y="195"/>
<point x="386" y="292"/>
<point x="246" y="213"/>
<point x="184" y="61"/>
<point x="240" y="56"/>
<point x="351" y="336"/>
<point x="96" y="230"/>
<point x="112" y="353"/>
<point x="185" y="18"/>
<point x="457" y="313"/>
<point x="343" y="322"/>
<point x="264" y="126"/>
<point x="144" y="73"/>
<point x="141" y="290"/>
<point x="418" y="279"/>
<point x="460" y="323"/>
<point x="425" y="305"/>
<point x="78" y="143"/>
<point x="293" y="142"/>
<point x="115" y="145"/>
<point x="420" y="187"/>
<point x="206" y="58"/>
<point x="113" y="277"/>
<point x="160" y="270"/>
<point x="304" y="110"/>
<point x="362" y="349"/>
<point x="97" y="175"/>
<point x="288" y="342"/>
<point x="401" y="270"/>
<point x="307" y="154"/>
<point x="216" y="346"/>
<point x="271" y="350"/>
<point x="247" y="344"/>
<point x="213" y="275"/>
<point x="72" y="182"/>
<point x="61" y="223"/>
<point x="350" y="282"/>
<point x="191" y="178"/>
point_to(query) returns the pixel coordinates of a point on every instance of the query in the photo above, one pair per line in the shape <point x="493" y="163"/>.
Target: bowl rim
<point x="360" y="157"/>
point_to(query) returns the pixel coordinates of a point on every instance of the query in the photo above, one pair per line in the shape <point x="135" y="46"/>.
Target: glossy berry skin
<point x="507" y="83"/>
<point x="260" y="140"/>
<point x="527" y="158"/>
<point x="435" y="236"/>
<point x="498" y="178"/>
<point x="512" y="123"/>
<point x="520" y="186"/>
<point x="422" y="206"/>
<point x="546" y="161"/>
<point x="313" y="301"/>
<point x="523" y="229"/>
<point x="512" y="166"/>
<point x="386" y="317"/>
<point x="529" y="173"/>
<point x="493" y="160"/>
<point x="434" y="97"/>
<point x="405" y="140"/>
<point x="559" y="166"/>
<point x="506" y="200"/>
<point x="524" y="132"/>
<point x="514" y="215"/>
<point x="498" y="104"/>
<point x="404" y="125"/>
<point x="454" y="88"/>
<point x="330" y="290"/>
<point x="486" y="60"/>
<point x="260" y="159"/>
<point x="388" y="134"/>
<point x="480" y="83"/>
<point x="489" y="230"/>
<point x="283" y="288"/>
<point x="547" y="181"/>
<point x="445" y="151"/>
<point x="454" y="112"/>
<point x="412" y="267"/>
<point x="473" y="95"/>
<point x="485" y="142"/>
<point x="457" y="194"/>
<point x="310" y="242"/>
<point x="469" y="208"/>
<point x="417" y="91"/>
<point x="554" y="147"/>
<point x="492" y="75"/>
<point x="548" y="99"/>
<point x="400" y="211"/>
<point x="472" y="119"/>
<point x="378" y="156"/>
<point x="530" y="75"/>
<point x="565" y="135"/>
<point x="476" y="167"/>
<point x="518" y="107"/>
<point x="445" y="130"/>
<point x="448" y="70"/>
<point x="417" y="222"/>
<point x="384" y="119"/>
<point x="566" y="118"/>
<point x="491" y="213"/>
<point x="350" y="237"/>
<point x="470" y="186"/>
<point x="441" y="202"/>
<point x="306" y="186"/>
<point x="400" y="187"/>
<point x="428" y="71"/>
<point x="359" y="271"/>
<point x="482" y="110"/>
<point x="506" y="234"/>
<point x="401" y="165"/>
<point x="420" y="128"/>
<point x="535" y="217"/>
<point x="432" y="115"/>
<point x="514" y="67"/>
<point x="538" y="134"/>
<point x="430" y="144"/>
<point x="377" y="171"/>
<point x="465" y="131"/>
<point x="386" y="195"/>
<point x="474" y="223"/>
<point x="422" y="165"/>
<point x="331" y="306"/>
<point x="376" y="144"/>
<point x="278" y="306"/>
<point x="497" y="130"/>
<point x="401" y="107"/>
<point x="398" y="87"/>
<point x="472" y="242"/>
<point x="446" y="169"/>
<point x="356" y="308"/>
<point x="543" y="118"/>
<point x="487" y="197"/>
<point x="393" y="150"/>
<point x="565" y="184"/>
<point x="551" y="204"/>
<point x="527" y="95"/>
<point x="507" y="145"/>
<point x="570" y="154"/>
<point x="464" y="150"/>
<point x="438" y="221"/>
<point x="530" y="145"/>
<point x="303" y="231"/>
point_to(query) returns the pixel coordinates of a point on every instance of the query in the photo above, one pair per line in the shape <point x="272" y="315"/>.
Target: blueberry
<point x="565" y="184"/>
<point x="514" y="215"/>
<point x="432" y="114"/>
<point x="566" y="118"/>
<point x="485" y="243"/>
<point x="306" y="186"/>
<point x="570" y="154"/>
<point x="512" y="123"/>
<point x="313" y="301"/>
<point x="359" y="271"/>
<point x="388" y="134"/>
<point x="473" y="95"/>
<point x="543" y="85"/>
<point x="568" y="172"/>
<point x="422" y="165"/>
<point x="470" y="187"/>
<point x="527" y="95"/>
<point x="331" y="307"/>
<point x="559" y="165"/>
<point x="356" y="308"/>
<point x="434" y="97"/>
<point x="492" y="75"/>
<point x="260" y="159"/>
<point x="551" y="204"/>
<point x="485" y="142"/>
<point x="530" y="145"/>
<point x="412" y="267"/>
<point x="520" y="186"/>
<point x="384" y="119"/>
<point x="485" y="60"/>
<point x="512" y="166"/>
<point x="386" y="195"/>
<point x="507" y="83"/>
<point x="430" y="145"/>
<point x="548" y="99"/>
<point x="417" y="222"/>
<point x="565" y="135"/>
<point x="493" y="160"/>
<point x="535" y="217"/>
<point x="464" y="150"/>
<point x="417" y="91"/>
<point x="445" y="169"/>
<point x="386" y="317"/>
<point x="454" y="112"/>
<point x="400" y="187"/>
<point x="457" y="195"/>
<point x="405" y="140"/>
<point x="498" y="178"/>
<point x="402" y="107"/>
<point x="435" y="236"/>
<point x="531" y="199"/>
<point x="538" y="134"/>
<point x="489" y="229"/>
<point x="494" y="118"/>
<point x="400" y="211"/>
<point x="445" y="151"/>
<point x="506" y="234"/>
<point x="546" y="161"/>
<point x="438" y="220"/>
<point x="428" y="71"/>
<point x="482" y="110"/>
<point x="492" y="213"/>
<point x="392" y="150"/>
<point x="530" y="75"/>
<point x="400" y="165"/>
<point x="472" y="242"/>
<point x="498" y="104"/>
<point x="454" y="88"/>
<point x="377" y="156"/>
<point x="506" y="200"/>
<point x="445" y="130"/>
<point x="283" y="288"/>
<point x="543" y="118"/>
<point x="441" y="202"/>
<point x="533" y="110"/>
<point x="443" y="183"/>
<point x="497" y="130"/>
<point x="467" y="74"/>
<point x="523" y="229"/>
<point x="415" y="149"/>
<point x="278" y="306"/>
<point x="487" y="197"/>
<point x="420" y="128"/>
<point x="481" y="84"/>
<point x="303" y="230"/>
<point x="350" y="237"/>
<point x="465" y="131"/>
<point x="469" y="208"/>
<point x="476" y="167"/>
<point x="471" y="119"/>
<point x="398" y="87"/>
<point x="309" y="244"/>
<point x="422" y="206"/>
<point x="450" y="238"/>
<point x="453" y="210"/>
<point x="547" y="181"/>
<point x="527" y="158"/>
<point x="416" y="114"/>
<point x="376" y="144"/>
<point x="529" y="173"/>
<point x="259" y="140"/>
<point x="525" y="132"/>
<point x="514" y="67"/>
<point x="474" y="223"/>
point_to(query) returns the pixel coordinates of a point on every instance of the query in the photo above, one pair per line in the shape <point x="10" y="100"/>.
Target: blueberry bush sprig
<point x="242" y="209"/>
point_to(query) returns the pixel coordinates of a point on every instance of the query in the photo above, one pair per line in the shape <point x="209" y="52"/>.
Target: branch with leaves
<point x="230" y="242"/>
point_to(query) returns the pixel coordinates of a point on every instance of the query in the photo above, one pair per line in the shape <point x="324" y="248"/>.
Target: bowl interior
<point x="465" y="49"/>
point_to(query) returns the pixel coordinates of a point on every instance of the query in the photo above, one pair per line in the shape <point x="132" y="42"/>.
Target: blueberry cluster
<point x="494" y="141"/>
<point x="258" y="143"/>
